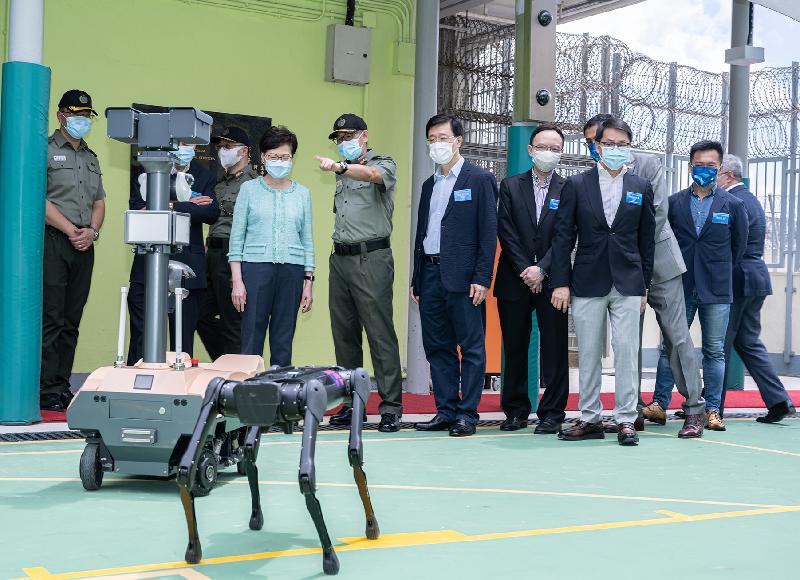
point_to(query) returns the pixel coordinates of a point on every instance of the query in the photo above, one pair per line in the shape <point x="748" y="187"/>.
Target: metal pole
<point x="25" y="31"/>
<point x="791" y="225"/>
<point x="724" y="112"/>
<point x="669" y="145"/>
<point x="123" y="311"/>
<point x="584" y="112"/>
<point x="605" y="72"/>
<point x="616" y="68"/>
<point x="23" y="182"/>
<point x="740" y="85"/>
<point x="425" y="106"/>
<point x="158" y="165"/>
<point x="180" y="293"/>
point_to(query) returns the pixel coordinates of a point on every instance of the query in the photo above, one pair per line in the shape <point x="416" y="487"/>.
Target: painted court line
<point x="407" y="540"/>
<point x="726" y="444"/>
<point x="398" y="487"/>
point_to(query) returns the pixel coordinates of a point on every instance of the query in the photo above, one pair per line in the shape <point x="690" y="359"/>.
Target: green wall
<point x="172" y="52"/>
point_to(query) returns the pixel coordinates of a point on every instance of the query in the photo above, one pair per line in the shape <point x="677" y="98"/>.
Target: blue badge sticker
<point x="634" y="197"/>
<point x="462" y="195"/>
<point x="554" y="204"/>
<point x="720" y="218"/>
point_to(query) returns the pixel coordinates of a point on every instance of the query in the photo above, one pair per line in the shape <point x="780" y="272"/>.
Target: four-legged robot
<point x="280" y="397"/>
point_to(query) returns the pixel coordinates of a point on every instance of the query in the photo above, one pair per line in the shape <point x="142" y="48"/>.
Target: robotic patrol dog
<point x="162" y="417"/>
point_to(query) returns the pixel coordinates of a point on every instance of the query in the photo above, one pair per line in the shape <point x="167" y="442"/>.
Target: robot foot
<point x="330" y="562"/>
<point x="194" y="553"/>
<point x="256" y="520"/>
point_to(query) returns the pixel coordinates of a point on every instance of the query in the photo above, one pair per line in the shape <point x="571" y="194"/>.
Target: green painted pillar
<point x="519" y="135"/>
<point x="23" y="179"/>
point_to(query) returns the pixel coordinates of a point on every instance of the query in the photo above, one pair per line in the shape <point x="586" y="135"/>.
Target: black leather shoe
<point x="344" y="417"/>
<point x="547" y="426"/>
<point x="462" y="429"/>
<point x="390" y="423"/>
<point x="513" y="424"/>
<point x="52" y="402"/>
<point x="438" y="423"/>
<point x="639" y="423"/>
<point x="776" y="413"/>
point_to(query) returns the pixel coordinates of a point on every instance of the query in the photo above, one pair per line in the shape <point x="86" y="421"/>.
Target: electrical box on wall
<point x="349" y="54"/>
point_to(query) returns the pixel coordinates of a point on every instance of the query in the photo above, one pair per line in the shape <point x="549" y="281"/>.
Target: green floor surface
<point x="461" y="504"/>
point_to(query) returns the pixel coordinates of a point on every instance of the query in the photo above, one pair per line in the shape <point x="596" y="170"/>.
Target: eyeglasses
<point x="341" y="138"/>
<point x="286" y="157"/>
<point x="543" y="148"/>
<point x="612" y="145"/>
<point x="441" y="139"/>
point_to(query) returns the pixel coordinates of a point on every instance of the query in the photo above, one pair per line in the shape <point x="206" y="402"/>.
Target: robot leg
<point x="251" y="444"/>
<point x="355" y="451"/>
<point x="316" y="403"/>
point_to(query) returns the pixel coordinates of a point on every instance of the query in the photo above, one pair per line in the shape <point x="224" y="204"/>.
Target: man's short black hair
<point x="276" y="136"/>
<point x="542" y="127"/>
<point x="706" y="146"/>
<point x="596" y="120"/>
<point x="613" y="123"/>
<point x="455" y="123"/>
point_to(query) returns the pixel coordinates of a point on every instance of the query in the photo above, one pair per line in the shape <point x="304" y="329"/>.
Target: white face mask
<point x="545" y="161"/>
<point x="229" y="157"/>
<point x="441" y="152"/>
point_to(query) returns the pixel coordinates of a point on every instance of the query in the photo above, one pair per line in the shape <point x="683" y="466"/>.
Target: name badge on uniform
<point x="720" y="218"/>
<point x="462" y="195"/>
<point x="634" y="197"/>
<point x="554" y="204"/>
<point x="59" y="157"/>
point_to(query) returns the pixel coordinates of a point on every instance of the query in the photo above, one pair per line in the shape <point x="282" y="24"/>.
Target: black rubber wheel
<point x="207" y="471"/>
<point x="90" y="470"/>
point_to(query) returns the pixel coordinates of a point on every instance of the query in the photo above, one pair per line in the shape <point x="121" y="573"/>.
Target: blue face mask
<point x="278" y="169"/>
<point x="350" y="150"/>
<point x="593" y="151"/>
<point x="704" y="176"/>
<point x="615" y="158"/>
<point x="78" y="126"/>
<point x="185" y="154"/>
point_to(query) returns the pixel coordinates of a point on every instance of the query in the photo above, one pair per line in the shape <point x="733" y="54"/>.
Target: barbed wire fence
<point x="668" y="106"/>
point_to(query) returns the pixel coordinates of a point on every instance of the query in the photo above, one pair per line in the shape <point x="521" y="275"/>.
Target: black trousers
<point x="744" y="334"/>
<point x="66" y="282"/>
<point x="516" y="324"/>
<point x="191" y="314"/>
<point x="273" y="298"/>
<point x="219" y="326"/>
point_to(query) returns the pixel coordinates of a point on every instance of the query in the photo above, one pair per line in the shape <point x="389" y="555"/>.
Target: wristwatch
<point x="96" y="233"/>
<point x="342" y="167"/>
<point x="309" y="277"/>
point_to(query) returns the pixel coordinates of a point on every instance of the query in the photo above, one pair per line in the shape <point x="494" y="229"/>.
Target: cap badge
<point x="340" y="122"/>
<point x="83" y="99"/>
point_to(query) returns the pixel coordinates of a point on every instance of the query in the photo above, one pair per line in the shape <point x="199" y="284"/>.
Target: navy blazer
<point x="193" y="255"/>
<point x="750" y="274"/>
<point x="620" y="256"/>
<point x="710" y="257"/>
<point x="469" y="231"/>
<point x="524" y="240"/>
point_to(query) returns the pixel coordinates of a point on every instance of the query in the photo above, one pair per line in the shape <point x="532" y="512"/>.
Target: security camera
<point x="543" y="97"/>
<point x="544" y="17"/>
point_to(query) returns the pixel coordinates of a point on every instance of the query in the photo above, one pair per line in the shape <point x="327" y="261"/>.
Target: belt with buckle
<point x="435" y="259"/>
<point x="217" y="243"/>
<point x="355" y="249"/>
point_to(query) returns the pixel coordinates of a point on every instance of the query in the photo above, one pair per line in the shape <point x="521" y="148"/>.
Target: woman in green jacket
<point x="272" y="251"/>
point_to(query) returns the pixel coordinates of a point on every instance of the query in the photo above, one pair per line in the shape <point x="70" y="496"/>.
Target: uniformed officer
<point x="219" y="325"/>
<point x="361" y="265"/>
<point x="75" y="209"/>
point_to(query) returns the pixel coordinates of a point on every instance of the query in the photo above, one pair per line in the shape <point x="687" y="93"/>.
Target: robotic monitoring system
<point x="162" y="417"/>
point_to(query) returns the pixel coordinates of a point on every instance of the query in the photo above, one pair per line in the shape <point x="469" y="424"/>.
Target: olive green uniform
<point x="361" y="280"/>
<point x="74" y="184"/>
<point x="220" y="323"/>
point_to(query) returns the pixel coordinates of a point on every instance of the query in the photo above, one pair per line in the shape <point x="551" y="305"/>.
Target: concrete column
<point x="739" y="85"/>
<point x="426" y="73"/>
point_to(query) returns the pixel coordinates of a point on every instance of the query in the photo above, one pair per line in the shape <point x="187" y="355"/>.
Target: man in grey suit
<point x="666" y="298"/>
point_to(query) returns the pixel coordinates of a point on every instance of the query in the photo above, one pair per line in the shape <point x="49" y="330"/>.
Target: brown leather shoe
<point x="655" y="413"/>
<point x="692" y="426"/>
<point x="610" y="426"/>
<point x="582" y="430"/>
<point x="627" y="434"/>
<point x="714" y="422"/>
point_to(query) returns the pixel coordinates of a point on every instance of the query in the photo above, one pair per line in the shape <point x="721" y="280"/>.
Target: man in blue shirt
<point x="710" y="225"/>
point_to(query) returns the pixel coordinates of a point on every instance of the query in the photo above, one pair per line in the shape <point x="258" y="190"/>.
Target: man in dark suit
<point x="612" y="214"/>
<point x="453" y="262"/>
<point x="526" y="218"/>
<point x="200" y="203"/>
<point x="751" y="285"/>
<point x="710" y="225"/>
